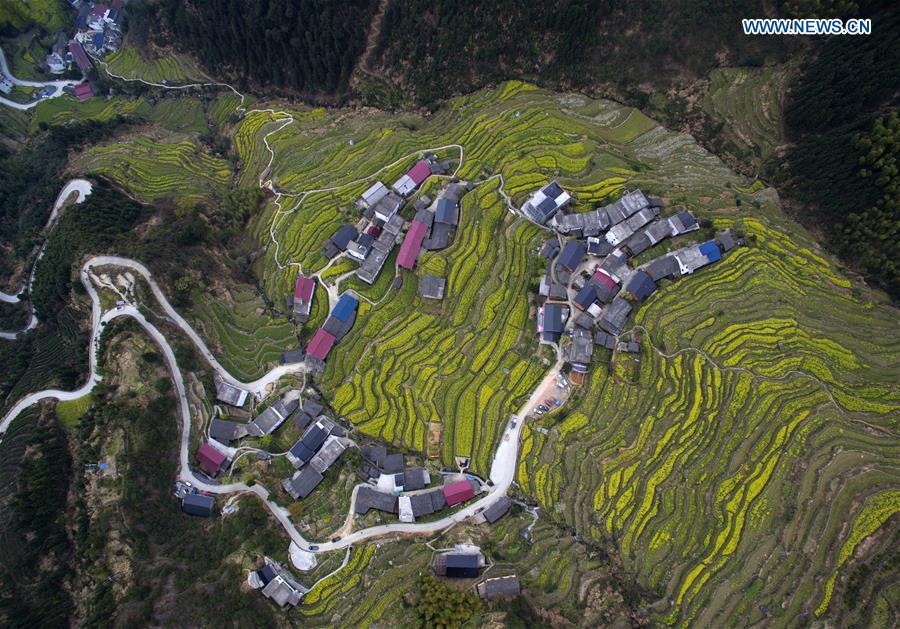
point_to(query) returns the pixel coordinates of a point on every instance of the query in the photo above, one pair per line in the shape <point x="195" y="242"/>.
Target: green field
<point x="760" y="419"/>
<point x="747" y="102"/>
<point x="736" y="464"/>
<point x="154" y="170"/>
<point x="174" y="68"/>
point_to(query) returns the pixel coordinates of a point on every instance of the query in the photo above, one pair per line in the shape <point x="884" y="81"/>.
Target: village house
<point x="339" y="241"/>
<point x="226" y="432"/>
<point x="198" y="504"/>
<point x="229" y="393"/>
<point x="412" y="245"/>
<point x="624" y="230"/>
<point x="614" y="316"/>
<point x="499" y="588"/>
<point x="387" y="207"/>
<point x="581" y="350"/>
<point x="546" y="202"/>
<point x="270" y="419"/>
<point x="210" y="460"/>
<point x="463" y="562"/>
<point x="304" y="291"/>
<point x="459" y="491"/>
<point x="640" y="286"/>
<point x="381" y="249"/>
<point x="307" y="414"/>
<point x="279" y="584"/>
<point x="551" y="319"/>
<point x="432" y="287"/>
<point x="370" y="198"/>
<point x="368" y="499"/>
<point x="603" y="339"/>
<point x="413" y="177"/>
<point x="571" y="255"/>
<point x="302" y="483"/>
<point x="497" y="510"/>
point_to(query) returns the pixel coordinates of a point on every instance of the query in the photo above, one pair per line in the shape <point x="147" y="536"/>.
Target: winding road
<point x="503" y="468"/>
<point x="83" y="188"/>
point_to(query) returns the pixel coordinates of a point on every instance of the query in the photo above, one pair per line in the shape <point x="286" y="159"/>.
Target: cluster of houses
<point x="321" y="445"/>
<point x="98" y="30"/>
<point x="589" y="289"/>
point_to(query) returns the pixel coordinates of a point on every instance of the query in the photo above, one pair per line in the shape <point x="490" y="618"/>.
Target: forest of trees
<point x="843" y="162"/>
<point x="309" y="46"/>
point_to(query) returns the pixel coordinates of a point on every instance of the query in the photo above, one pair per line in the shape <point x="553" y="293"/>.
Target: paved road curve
<point x="503" y="469"/>
<point x="56" y="85"/>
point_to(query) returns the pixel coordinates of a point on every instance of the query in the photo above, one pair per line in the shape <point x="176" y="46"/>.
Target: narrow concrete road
<point x="503" y="468"/>
<point x="56" y="85"/>
<point x="83" y="188"/>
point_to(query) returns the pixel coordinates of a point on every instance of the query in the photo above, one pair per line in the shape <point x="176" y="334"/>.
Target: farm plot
<point x="246" y="341"/>
<point x="173" y="67"/>
<point x="748" y="102"/>
<point x="762" y="427"/>
<point x="154" y="170"/>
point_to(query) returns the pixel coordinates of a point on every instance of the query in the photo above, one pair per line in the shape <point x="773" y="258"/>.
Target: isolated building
<point x="432" y="287"/>
<point x="497" y="510"/>
<point x="198" y="504"/>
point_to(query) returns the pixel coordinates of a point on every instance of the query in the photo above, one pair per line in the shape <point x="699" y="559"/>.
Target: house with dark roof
<point x="306" y="447"/>
<point x="616" y="265"/>
<point x="585" y="320"/>
<point x="226" y="431"/>
<point x="387" y="207"/>
<point x="415" y="478"/>
<point x="279" y="584"/>
<point x="629" y="347"/>
<point x="640" y="286"/>
<point x="497" y="510"/>
<point x="427" y="502"/>
<point x="683" y="222"/>
<point x="726" y="240"/>
<point x="546" y="202"/>
<point x="586" y="297"/>
<point x="343" y="236"/>
<point x="457" y="565"/>
<point x="663" y="266"/>
<point x="598" y="247"/>
<point x="432" y="287"/>
<point x="368" y="499"/>
<point x="499" y="588"/>
<point x="571" y="255"/>
<point x="552" y="289"/>
<point x="392" y="463"/>
<point x="550" y="249"/>
<point x="605" y="286"/>
<point x="614" y="316"/>
<point x="358" y="249"/>
<point x="447" y="212"/>
<point x="551" y="322"/>
<point x="270" y="419"/>
<point x="307" y="413"/>
<point x="581" y="350"/>
<point x="624" y="230"/>
<point x="211" y="461"/>
<point x="604" y="339"/>
<point x="302" y="483"/>
<point x="374" y="455"/>
<point x="330" y="452"/>
<point x="228" y="393"/>
<point x="198" y="504"/>
<point x="292" y="357"/>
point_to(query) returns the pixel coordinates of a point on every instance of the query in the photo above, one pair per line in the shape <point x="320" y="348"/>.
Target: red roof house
<point x="79" y="55"/>
<point x="83" y="91"/>
<point x="320" y="344"/>
<point x="412" y="244"/>
<point x="458" y="492"/>
<point x="605" y="280"/>
<point x="420" y="172"/>
<point x="210" y="459"/>
<point x="303" y="295"/>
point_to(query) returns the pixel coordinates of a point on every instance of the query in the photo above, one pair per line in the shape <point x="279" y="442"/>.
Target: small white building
<point x="373" y="195"/>
<point x="406" y="512"/>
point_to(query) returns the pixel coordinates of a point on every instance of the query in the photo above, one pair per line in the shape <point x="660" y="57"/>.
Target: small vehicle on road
<point x="543" y="408"/>
<point x="512" y="424"/>
<point x="313" y="548"/>
<point x="336" y="538"/>
<point x="537" y="411"/>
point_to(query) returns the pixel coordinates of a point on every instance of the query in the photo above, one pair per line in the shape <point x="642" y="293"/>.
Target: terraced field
<point x="733" y="472"/>
<point x="174" y="68"/>
<point x="154" y="170"/>
<point x="247" y="341"/>
<point x="748" y="102"/>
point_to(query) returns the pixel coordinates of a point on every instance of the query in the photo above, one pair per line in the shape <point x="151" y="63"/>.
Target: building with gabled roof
<point x="604" y="285"/>
<point x="498" y="509"/>
<point x="499" y="588"/>
<point x="211" y="461"/>
<point x="270" y="419"/>
<point x="604" y="339"/>
<point x="368" y="498"/>
<point x="280" y="585"/>
<point x="458" y="492"/>
<point x="302" y="483"/>
<point x="614" y="316"/>
<point x="228" y="393"/>
<point x="640" y="286"/>
<point x="200" y="505"/>
<point x="79" y="55"/>
<point x="586" y="297"/>
<point x="571" y="255"/>
<point x="582" y="348"/>
<point x="551" y="322"/>
<point x="227" y="431"/>
<point x="330" y="452"/>
<point x="412" y="245"/>
<point x="432" y="287"/>
<point x="304" y="290"/>
<point x="447" y="212"/>
<point x="624" y="230"/>
<point x="387" y="207"/>
<point x="546" y="202"/>
<point x="320" y="345"/>
<point x="413" y="178"/>
<point x="661" y="267"/>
